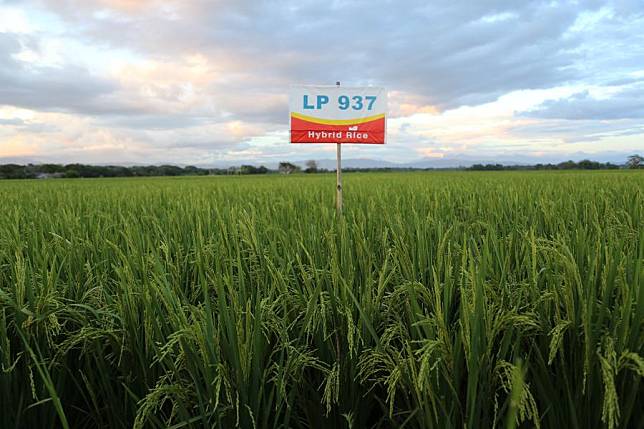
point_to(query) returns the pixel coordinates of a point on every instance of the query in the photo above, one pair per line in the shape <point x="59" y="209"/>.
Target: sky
<point x="206" y="82"/>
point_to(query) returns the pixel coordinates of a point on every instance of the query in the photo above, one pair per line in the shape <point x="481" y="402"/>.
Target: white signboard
<point x="334" y="114"/>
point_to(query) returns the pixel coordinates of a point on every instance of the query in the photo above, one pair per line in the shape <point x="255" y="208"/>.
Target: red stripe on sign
<point x="372" y="132"/>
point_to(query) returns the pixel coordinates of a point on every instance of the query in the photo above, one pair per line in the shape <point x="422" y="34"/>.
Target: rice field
<point x="439" y="300"/>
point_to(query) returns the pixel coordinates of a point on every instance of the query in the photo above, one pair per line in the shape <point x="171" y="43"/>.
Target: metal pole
<point x="338" y="176"/>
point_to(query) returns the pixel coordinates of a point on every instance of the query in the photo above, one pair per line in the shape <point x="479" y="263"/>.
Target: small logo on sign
<point x="353" y="128"/>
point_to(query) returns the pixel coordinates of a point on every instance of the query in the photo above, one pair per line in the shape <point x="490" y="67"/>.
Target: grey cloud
<point x="11" y="122"/>
<point x="444" y="52"/>
<point x="32" y="127"/>
<point x="70" y="89"/>
<point x="578" y="131"/>
<point x="159" y="121"/>
<point x="73" y="89"/>
<point x="628" y="104"/>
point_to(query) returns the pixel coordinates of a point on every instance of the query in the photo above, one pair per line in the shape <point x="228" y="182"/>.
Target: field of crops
<point x="439" y="300"/>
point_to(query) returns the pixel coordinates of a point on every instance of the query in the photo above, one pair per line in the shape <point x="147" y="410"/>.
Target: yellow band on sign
<point x="336" y="121"/>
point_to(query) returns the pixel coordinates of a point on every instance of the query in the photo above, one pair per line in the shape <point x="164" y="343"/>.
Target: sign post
<point x="331" y="114"/>
<point x="338" y="174"/>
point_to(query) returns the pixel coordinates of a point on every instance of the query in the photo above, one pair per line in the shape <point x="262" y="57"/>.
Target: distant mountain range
<point x="455" y="162"/>
<point x="357" y="163"/>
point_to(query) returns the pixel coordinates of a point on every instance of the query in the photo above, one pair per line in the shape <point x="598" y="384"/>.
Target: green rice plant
<point x="438" y="300"/>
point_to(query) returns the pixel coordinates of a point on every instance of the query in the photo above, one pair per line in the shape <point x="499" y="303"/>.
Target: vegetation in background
<point x="442" y="300"/>
<point x="69" y="171"/>
<point x="287" y="168"/>
<point x="585" y="164"/>
<point x="635" y="161"/>
<point x="34" y="171"/>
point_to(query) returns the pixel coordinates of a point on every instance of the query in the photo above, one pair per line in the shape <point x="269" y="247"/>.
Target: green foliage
<point x="635" y="161"/>
<point x="69" y="171"/>
<point x="584" y="164"/>
<point x="438" y="300"/>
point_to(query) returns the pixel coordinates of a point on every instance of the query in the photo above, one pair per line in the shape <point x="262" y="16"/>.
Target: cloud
<point x="562" y="132"/>
<point x="69" y="88"/>
<point x="443" y="55"/>
<point x="625" y="104"/>
<point x="450" y="54"/>
<point x="61" y="137"/>
<point x="12" y="121"/>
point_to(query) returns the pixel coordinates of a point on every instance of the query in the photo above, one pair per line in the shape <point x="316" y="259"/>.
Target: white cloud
<point x="14" y="20"/>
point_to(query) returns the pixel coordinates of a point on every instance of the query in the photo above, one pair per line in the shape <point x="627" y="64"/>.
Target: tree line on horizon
<point x="48" y="171"/>
<point x="633" y="161"/>
<point x="69" y="171"/>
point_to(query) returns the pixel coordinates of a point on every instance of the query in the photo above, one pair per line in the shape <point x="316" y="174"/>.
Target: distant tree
<point x="567" y="165"/>
<point x="548" y="166"/>
<point x="14" y="171"/>
<point x="251" y="169"/>
<point x="169" y="170"/>
<point x="635" y="161"/>
<point x="587" y="164"/>
<point x="287" y="168"/>
<point x="194" y="171"/>
<point x="311" y="166"/>
<point x="487" y="167"/>
<point x="216" y="171"/>
<point x="51" y="168"/>
<point x="247" y="169"/>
